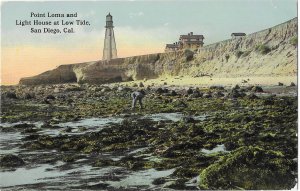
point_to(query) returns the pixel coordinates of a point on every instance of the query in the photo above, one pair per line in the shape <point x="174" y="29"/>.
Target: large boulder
<point x="257" y="89"/>
<point x="250" y="168"/>
<point x="236" y="94"/>
<point x="11" y="95"/>
<point x="11" y="161"/>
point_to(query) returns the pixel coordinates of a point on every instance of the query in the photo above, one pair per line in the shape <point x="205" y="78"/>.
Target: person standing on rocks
<point x="137" y="96"/>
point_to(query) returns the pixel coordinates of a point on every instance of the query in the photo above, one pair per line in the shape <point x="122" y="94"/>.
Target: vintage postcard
<point x="149" y="95"/>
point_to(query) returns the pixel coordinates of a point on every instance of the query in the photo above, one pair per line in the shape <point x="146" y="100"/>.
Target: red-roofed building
<point x="191" y="41"/>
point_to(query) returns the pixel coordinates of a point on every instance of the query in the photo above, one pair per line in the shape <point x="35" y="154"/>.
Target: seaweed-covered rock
<point x="178" y="184"/>
<point x="132" y="163"/>
<point x="216" y="87"/>
<point x="207" y="95"/>
<point x="180" y="103"/>
<point x="188" y="119"/>
<point x="104" y="162"/>
<point x="269" y="100"/>
<point x="141" y="85"/>
<point x="74" y="89"/>
<point x="51" y="97"/>
<point x="257" y="89"/>
<point x="236" y="87"/>
<point x="252" y="96"/>
<point x="98" y="186"/>
<point x="23" y="125"/>
<point x="236" y="94"/>
<point x="195" y="94"/>
<point x="189" y="91"/>
<point x="107" y="89"/>
<point x="159" y="91"/>
<point x="250" y="168"/>
<point x="159" y="181"/>
<point x="173" y="93"/>
<point x="11" y="95"/>
<point x="11" y="161"/>
<point x="165" y="90"/>
<point x="28" y="96"/>
<point x="218" y="94"/>
<point x="230" y="145"/>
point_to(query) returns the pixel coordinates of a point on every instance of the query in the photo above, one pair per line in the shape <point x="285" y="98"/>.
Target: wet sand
<point x="206" y="81"/>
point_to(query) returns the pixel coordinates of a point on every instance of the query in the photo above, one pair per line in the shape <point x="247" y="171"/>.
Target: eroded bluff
<point x="271" y="52"/>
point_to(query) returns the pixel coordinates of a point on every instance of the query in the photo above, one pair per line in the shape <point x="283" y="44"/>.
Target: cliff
<point x="271" y="52"/>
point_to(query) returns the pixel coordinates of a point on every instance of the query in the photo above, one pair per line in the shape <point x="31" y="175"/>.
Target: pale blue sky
<point x="165" y="20"/>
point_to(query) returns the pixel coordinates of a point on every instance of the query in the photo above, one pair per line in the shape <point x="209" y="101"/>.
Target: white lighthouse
<point x="109" y="50"/>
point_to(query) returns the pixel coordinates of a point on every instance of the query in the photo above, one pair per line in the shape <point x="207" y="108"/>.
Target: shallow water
<point x="78" y="173"/>
<point x="89" y="125"/>
<point x="28" y="175"/>
<point x="37" y="124"/>
<point x="51" y="175"/>
<point x="175" y="117"/>
<point x="92" y="122"/>
<point x="96" y="124"/>
<point x="218" y="148"/>
<point x="9" y="142"/>
<point x="141" y="178"/>
<point x="193" y="182"/>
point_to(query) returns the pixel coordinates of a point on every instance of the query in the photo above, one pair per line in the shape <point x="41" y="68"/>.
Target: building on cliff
<point x="189" y="41"/>
<point x="109" y="50"/>
<point x="172" y="47"/>
<point x="237" y="35"/>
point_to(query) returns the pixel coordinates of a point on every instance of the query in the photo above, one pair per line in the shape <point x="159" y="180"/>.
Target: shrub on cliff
<point x="294" y="40"/>
<point x="227" y="57"/>
<point x="188" y="55"/>
<point x="239" y="53"/>
<point x="246" y="53"/>
<point x="263" y="49"/>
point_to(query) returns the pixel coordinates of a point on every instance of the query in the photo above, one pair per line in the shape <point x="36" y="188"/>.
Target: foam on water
<point x="141" y="178"/>
<point x="218" y="148"/>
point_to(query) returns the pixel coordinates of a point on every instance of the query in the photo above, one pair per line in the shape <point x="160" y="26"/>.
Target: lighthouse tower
<point x="109" y="50"/>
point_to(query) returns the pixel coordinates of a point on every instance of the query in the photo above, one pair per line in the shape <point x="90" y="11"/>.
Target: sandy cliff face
<point x="271" y="52"/>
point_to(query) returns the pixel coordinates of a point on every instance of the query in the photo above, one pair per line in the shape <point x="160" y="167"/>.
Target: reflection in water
<point x="53" y="176"/>
<point x="27" y="176"/>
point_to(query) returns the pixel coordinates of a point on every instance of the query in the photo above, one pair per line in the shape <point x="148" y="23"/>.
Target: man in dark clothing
<point x="137" y="96"/>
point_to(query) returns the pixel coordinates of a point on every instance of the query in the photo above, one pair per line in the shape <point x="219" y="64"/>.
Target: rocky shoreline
<point x="86" y="137"/>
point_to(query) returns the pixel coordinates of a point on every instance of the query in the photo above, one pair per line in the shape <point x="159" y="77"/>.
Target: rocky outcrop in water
<point x="11" y="161"/>
<point x="271" y="52"/>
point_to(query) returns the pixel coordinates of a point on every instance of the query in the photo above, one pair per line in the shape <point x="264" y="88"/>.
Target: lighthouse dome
<point x="109" y="15"/>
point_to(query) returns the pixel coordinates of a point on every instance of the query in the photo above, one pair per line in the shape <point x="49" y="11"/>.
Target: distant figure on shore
<point x="137" y="96"/>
